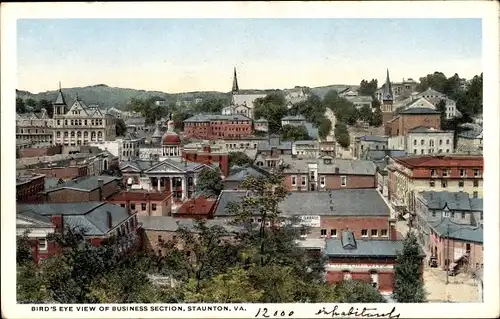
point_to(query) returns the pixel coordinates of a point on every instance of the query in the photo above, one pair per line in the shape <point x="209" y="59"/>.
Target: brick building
<point x="408" y="175"/>
<point x="200" y="206"/>
<point x="372" y="261"/>
<point x="214" y="126"/>
<point x="85" y="189"/>
<point x="204" y="153"/>
<point x="412" y="118"/>
<point x="99" y="220"/>
<point x="48" y="150"/>
<point x="29" y="186"/>
<point x="144" y="203"/>
<point x="239" y="174"/>
<point x="34" y="127"/>
<point x="362" y="211"/>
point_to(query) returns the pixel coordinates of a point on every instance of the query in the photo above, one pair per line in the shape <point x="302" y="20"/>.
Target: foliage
<point x="20" y="106"/>
<point x="121" y="128"/>
<point x="239" y="159"/>
<point x="23" y="249"/>
<point x="377" y="118"/>
<point x="441" y="108"/>
<point x="210" y="106"/>
<point x="366" y="114"/>
<point x="271" y="107"/>
<point x="294" y="133"/>
<point x="408" y="283"/>
<point x="30" y="284"/>
<point x="342" y="135"/>
<point x="209" y="180"/>
<point x="344" y="110"/>
<point x="312" y="109"/>
<point x="368" y="88"/>
<point x="180" y="116"/>
<point x="354" y="291"/>
<point x="325" y="128"/>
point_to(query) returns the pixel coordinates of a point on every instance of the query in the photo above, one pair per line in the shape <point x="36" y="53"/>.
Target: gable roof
<point x="86" y="184"/>
<point x="440" y="161"/>
<point x="447" y="228"/>
<point x="348" y="167"/>
<point x="175" y="166"/>
<point x="243" y="173"/>
<point x="427" y="129"/>
<point x="452" y="200"/>
<point x="216" y="117"/>
<point x="418" y="110"/>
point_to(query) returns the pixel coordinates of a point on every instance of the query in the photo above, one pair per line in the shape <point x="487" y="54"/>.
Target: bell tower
<point x="235" y="88"/>
<point x="60" y="103"/>
<point x="387" y="100"/>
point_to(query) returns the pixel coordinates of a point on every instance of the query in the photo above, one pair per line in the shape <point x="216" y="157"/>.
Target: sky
<point x="181" y="55"/>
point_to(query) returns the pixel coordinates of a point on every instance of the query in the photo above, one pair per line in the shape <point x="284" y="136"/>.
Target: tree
<point x="20" y="106"/>
<point x="30" y="102"/>
<point x="239" y="159"/>
<point x="180" y="116"/>
<point x="294" y="133"/>
<point x="209" y="180"/>
<point x="325" y="128"/>
<point x="210" y="106"/>
<point x="354" y="291"/>
<point x="408" y="283"/>
<point x="377" y="118"/>
<point x="23" y="249"/>
<point x="121" y="128"/>
<point x="330" y="98"/>
<point x="437" y="81"/>
<point x="272" y="112"/>
<point x="342" y="135"/>
<point x="366" y="114"/>
<point x="368" y="88"/>
<point x="441" y="108"/>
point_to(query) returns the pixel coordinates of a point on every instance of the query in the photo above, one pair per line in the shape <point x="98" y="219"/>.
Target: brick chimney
<point x="109" y="220"/>
<point x="58" y="221"/>
<point x="100" y="183"/>
<point x="394" y="232"/>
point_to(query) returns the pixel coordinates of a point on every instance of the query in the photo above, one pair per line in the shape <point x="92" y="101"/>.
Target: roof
<point x="140" y="196"/>
<point x="441" y="161"/>
<point x="419" y="110"/>
<point x="344" y="202"/>
<point x="60" y="98"/>
<point x="52" y="182"/>
<point x="452" y="200"/>
<point x="261" y="120"/>
<point x="21" y="179"/>
<point x="138" y="165"/>
<point x="92" y="216"/>
<point x="169" y="223"/>
<point x="347" y="247"/>
<point x="298" y="117"/>
<point x="373" y="138"/>
<point x="359" y="99"/>
<point x="246" y="99"/>
<point x="430" y="92"/>
<point x="216" y="117"/>
<point x="427" y="129"/>
<point x="456" y="231"/>
<point x="376" y="155"/>
<point x="87" y="183"/>
<point x="348" y="167"/>
<point x="243" y="173"/>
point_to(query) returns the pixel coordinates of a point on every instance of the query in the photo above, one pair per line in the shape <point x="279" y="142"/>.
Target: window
<point x="421" y="142"/>
<point x="476" y="172"/>
<point x="462" y="172"/>
<point x="153" y="206"/>
<point x="323" y="232"/>
<point x="481" y="216"/>
<point x="132" y="206"/>
<point x="347" y="275"/>
<point x="446" y="213"/>
<point x="452" y="214"/>
<point x="447" y="142"/>
<point x="476" y="183"/>
<point x="143" y="206"/>
<point x="160" y="239"/>
<point x="445" y="173"/>
<point x="432" y="183"/>
<point x="461" y="183"/>
<point x="475" y="194"/>
<point x="42" y="244"/>
<point x="431" y="143"/>
<point x="343" y="181"/>
<point x="333" y="232"/>
<point x="440" y="142"/>
<point x="383" y="233"/>
<point x="414" y="142"/>
<point x="322" y="180"/>
<point x="364" y="232"/>
<point x="447" y="150"/>
<point x="294" y="181"/>
<point x="374" y="277"/>
<point x="433" y="172"/>
<point x="374" y="233"/>
<point x="122" y="205"/>
<point x="444" y="184"/>
<point x="463" y="215"/>
<point x="303" y="181"/>
<point x="433" y="214"/>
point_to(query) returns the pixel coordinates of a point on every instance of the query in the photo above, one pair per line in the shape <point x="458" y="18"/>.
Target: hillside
<point x="108" y="97"/>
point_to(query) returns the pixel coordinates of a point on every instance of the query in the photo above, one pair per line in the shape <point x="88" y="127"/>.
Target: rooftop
<point x="26" y="178"/>
<point x="171" y="224"/>
<point x="86" y="183"/>
<point x="216" y="117"/>
<point x="348" y="167"/>
<point x="239" y="175"/>
<point x="139" y="195"/>
<point x="373" y="138"/>
<point x="92" y="216"/>
<point x="427" y="129"/>
<point x="456" y="231"/>
<point x="441" y="161"/>
<point x="418" y="110"/>
<point x="298" y="117"/>
<point x="451" y="200"/>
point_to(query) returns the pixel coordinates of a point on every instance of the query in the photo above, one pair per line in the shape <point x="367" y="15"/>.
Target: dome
<point x="170" y="137"/>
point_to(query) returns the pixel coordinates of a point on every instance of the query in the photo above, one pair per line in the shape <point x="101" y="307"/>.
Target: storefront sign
<point x="310" y="221"/>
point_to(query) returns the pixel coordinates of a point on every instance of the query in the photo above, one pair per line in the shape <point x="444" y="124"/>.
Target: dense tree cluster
<point x="241" y="262"/>
<point x="120" y="127"/>
<point x="239" y="159"/>
<point x="294" y="133"/>
<point x="30" y="105"/>
<point x="210" y="181"/>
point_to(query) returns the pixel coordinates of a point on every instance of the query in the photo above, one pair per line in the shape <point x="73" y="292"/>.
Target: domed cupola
<point x="171" y="142"/>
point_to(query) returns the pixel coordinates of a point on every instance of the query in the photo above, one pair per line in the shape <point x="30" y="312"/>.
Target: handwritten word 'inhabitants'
<point x="354" y="312"/>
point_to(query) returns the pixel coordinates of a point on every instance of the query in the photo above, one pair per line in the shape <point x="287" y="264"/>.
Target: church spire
<point x="387" y="89"/>
<point x="235" y="88"/>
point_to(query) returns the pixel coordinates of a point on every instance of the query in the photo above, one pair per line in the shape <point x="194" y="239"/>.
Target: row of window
<point x="84" y="122"/>
<point x="431" y="142"/>
<point x="143" y="206"/>
<point x="322" y="180"/>
<point x="364" y="233"/>
<point x="463" y="215"/>
<point x="462" y="171"/>
<point x="430" y="151"/>
<point x="79" y="134"/>
<point x="461" y="183"/>
<point x="28" y="131"/>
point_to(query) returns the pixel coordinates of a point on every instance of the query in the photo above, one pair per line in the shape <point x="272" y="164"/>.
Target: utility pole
<point x="447" y="250"/>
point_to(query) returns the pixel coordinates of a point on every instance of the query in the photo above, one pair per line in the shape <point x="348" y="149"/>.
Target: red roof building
<point x="144" y="203"/>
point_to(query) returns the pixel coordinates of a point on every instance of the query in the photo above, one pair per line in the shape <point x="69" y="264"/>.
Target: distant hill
<point x="108" y="97"/>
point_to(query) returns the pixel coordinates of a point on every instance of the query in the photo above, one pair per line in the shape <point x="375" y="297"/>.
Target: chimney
<point x="100" y="183"/>
<point x="394" y="233"/>
<point x="110" y="220"/>
<point x="58" y="222"/>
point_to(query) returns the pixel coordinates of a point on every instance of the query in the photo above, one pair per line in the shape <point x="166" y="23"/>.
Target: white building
<point x="423" y="140"/>
<point x="162" y="147"/>
<point x="309" y="149"/>
<point x="420" y="101"/>
<point x="471" y="139"/>
<point x="360" y="101"/>
<point x="34" y="127"/>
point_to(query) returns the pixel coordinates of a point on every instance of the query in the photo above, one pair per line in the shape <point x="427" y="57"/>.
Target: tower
<point x="387" y="100"/>
<point x="60" y="103"/>
<point x="235" y="88"/>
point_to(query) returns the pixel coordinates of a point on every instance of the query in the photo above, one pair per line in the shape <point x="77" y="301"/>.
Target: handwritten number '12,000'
<point x="280" y="314"/>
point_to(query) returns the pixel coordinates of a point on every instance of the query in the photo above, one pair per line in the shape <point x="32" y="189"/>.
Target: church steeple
<point x="235" y="88"/>
<point x="388" y="96"/>
<point x="60" y="103"/>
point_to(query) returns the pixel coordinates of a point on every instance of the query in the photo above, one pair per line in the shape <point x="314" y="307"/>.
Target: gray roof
<point x="298" y="117"/>
<point x="135" y="121"/>
<point x="171" y="224"/>
<point x="285" y="145"/>
<point x="216" y="117"/>
<point x="472" y="131"/>
<point x="139" y="165"/>
<point x="359" y="99"/>
<point x="60" y="100"/>
<point x="425" y="129"/>
<point x="243" y="173"/>
<point x="261" y="120"/>
<point x="92" y="216"/>
<point x="307" y="142"/>
<point x="419" y="110"/>
<point x="456" y="231"/>
<point x="51" y="182"/>
<point x="348" y="167"/>
<point x="87" y="183"/>
<point x="373" y="138"/>
<point x="476" y="204"/>
<point x="452" y="200"/>
<point x="347" y="247"/>
<point x="344" y="202"/>
<point x="376" y="155"/>
<point x="311" y="130"/>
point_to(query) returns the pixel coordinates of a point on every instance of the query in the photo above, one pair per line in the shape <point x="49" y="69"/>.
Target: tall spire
<point x="387" y="89"/>
<point x="235" y="83"/>
<point x="59" y="85"/>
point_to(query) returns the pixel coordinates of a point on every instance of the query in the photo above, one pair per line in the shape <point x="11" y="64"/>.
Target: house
<point x="28" y="186"/>
<point x="239" y="174"/>
<point x="198" y="207"/>
<point x="84" y="189"/>
<point x="305" y="149"/>
<point x="214" y="126"/>
<point x="353" y="258"/>
<point x="209" y="154"/>
<point x="98" y="220"/>
<point x="368" y="142"/>
<point x="294" y="120"/>
<point x="360" y="101"/>
<point x="424" y="140"/>
<point x="362" y="211"/>
<point x="412" y="118"/>
<point x="144" y="203"/>
<point x="261" y="125"/>
<point x="34" y="127"/>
